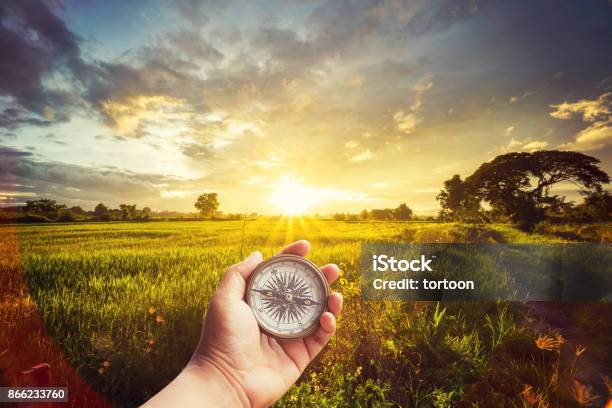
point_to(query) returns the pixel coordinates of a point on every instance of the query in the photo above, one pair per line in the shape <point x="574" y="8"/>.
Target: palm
<point x="265" y="367"/>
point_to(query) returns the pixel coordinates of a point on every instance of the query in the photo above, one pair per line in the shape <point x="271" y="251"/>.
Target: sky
<point x="341" y="105"/>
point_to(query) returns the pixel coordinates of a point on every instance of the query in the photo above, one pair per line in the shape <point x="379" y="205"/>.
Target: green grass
<point x="134" y="294"/>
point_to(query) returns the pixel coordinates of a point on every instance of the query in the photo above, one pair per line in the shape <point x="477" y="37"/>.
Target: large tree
<point x="207" y="204"/>
<point x="518" y="185"/>
<point x="456" y="201"/>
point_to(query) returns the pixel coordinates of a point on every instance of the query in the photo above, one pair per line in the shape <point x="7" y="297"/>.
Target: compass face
<point x="288" y="294"/>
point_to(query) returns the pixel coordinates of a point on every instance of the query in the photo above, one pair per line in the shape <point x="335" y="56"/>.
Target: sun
<point x="292" y="197"/>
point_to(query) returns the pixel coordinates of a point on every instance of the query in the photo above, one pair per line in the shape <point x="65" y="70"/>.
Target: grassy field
<point x="123" y="303"/>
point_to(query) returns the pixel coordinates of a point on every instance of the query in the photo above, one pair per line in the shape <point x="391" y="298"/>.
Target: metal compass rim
<point x="294" y="258"/>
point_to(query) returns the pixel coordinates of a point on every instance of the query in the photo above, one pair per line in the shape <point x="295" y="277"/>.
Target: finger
<point x="328" y="323"/>
<point x="331" y="272"/>
<point x="316" y="341"/>
<point x="246" y="267"/>
<point x="299" y="248"/>
<point x="233" y="281"/>
<point x="334" y="303"/>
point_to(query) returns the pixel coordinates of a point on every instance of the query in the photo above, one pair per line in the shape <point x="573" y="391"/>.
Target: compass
<point x="288" y="295"/>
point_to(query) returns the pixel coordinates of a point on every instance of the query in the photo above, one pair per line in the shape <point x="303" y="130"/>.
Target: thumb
<point x="233" y="281"/>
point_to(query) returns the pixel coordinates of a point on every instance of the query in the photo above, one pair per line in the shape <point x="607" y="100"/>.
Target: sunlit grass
<point x="124" y="301"/>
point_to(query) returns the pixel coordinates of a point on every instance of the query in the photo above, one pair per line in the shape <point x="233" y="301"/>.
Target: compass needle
<point x="283" y="301"/>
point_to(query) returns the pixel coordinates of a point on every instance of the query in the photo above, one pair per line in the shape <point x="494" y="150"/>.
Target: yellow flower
<point x="530" y="396"/>
<point x="584" y="395"/>
<point x="544" y="343"/>
<point x="160" y="319"/>
<point x="106" y="364"/>
<point x="608" y="383"/>
<point x="549" y="343"/>
<point x="152" y="309"/>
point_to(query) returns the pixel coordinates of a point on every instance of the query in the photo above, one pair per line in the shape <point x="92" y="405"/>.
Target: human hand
<point x="237" y="363"/>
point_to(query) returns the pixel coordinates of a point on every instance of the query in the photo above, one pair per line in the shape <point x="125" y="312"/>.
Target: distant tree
<point x="352" y="217"/>
<point x="77" y="210"/>
<point x="44" y="206"/>
<point x="518" y="185"/>
<point x="456" y="201"/>
<point x="66" y="216"/>
<point x="339" y="217"/>
<point x="597" y="206"/>
<point x="100" y="210"/>
<point x="207" y="204"/>
<point x="128" y="211"/>
<point x="145" y="213"/>
<point x="364" y="215"/>
<point x="402" y="212"/>
<point x="382" y="215"/>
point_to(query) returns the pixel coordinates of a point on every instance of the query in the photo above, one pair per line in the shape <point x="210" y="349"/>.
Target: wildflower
<point x="151" y="342"/>
<point x="608" y="383"/>
<point x="530" y="396"/>
<point x="358" y="371"/>
<point x="549" y="343"/>
<point x="583" y="394"/>
<point x="559" y="340"/>
<point x="152" y="309"/>
<point x="106" y="364"/>
<point x="544" y="343"/>
<point x="160" y="319"/>
<point x="101" y="370"/>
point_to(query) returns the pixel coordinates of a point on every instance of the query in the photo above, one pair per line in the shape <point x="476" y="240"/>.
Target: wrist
<point x="215" y="375"/>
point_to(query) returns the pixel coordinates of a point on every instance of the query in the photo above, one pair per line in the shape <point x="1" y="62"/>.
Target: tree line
<point x="401" y="213"/>
<point x="47" y="210"/>
<point x="520" y="188"/>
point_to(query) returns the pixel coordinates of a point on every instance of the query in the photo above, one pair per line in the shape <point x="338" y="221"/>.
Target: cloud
<point x="590" y="110"/>
<point x="363" y="156"/>
<point x="197" y="12"/>
<point x="442" y="14"/>
<point x="509" y="130"/>
<point x="407" y="122"/>
<point x="357" y="81"/>
<point x="197" y="151"/>
<point x="596" y="136"/>
<point x="26" y="178"/>
<point x="34" y="44"/>
<point x="516" y="145"/>
<point x="535" y="145"/>
<point x="597" y="113"/>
